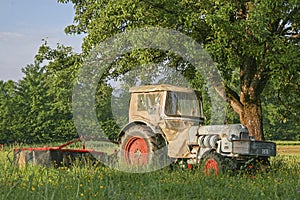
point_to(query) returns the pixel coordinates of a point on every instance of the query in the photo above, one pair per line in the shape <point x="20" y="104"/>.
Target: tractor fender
<point x="134" y="123"/>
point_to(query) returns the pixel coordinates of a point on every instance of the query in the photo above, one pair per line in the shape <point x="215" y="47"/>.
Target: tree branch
<point x="234" y="100"/>
<point x="295" y="36"/>
<point x="231" y="97"/>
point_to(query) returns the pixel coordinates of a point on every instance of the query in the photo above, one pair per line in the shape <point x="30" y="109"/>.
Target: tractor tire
<point x="140" y="147"/>
<point x="212" y="164"/>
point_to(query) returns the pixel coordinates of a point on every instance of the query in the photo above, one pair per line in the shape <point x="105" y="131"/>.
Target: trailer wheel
<point x="139" y="146"/>
<point x="212" y="164"/>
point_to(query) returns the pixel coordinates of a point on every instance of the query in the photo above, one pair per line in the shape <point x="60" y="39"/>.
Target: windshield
<point x="183" y="104"/>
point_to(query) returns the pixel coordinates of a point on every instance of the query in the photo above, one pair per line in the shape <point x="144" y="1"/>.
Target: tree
<point x="260" y="39"/>
<point x="45" y="95"/>
<point x="251" y="41"/>
<point x="10" y="112"/>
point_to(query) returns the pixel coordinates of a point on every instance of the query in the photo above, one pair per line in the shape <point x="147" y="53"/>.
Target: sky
<point x="23" y="25"/>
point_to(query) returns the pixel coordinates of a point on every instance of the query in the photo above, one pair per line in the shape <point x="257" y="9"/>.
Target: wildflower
<point x="101" y="186"/>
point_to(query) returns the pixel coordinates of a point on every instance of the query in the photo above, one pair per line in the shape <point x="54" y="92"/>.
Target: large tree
<point x="251" y="41"/>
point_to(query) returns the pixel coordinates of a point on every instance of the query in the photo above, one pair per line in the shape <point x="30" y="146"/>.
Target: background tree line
<point x="254" y="43"/>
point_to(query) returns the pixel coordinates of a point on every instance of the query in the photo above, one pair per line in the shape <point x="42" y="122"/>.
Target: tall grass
<point x="90" y="182"/>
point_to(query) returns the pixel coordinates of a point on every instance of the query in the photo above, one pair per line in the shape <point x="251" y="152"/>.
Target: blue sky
<point x="23" y="25"/>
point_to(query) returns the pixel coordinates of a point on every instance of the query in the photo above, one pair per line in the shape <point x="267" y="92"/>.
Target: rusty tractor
<point x="166" y="122"/>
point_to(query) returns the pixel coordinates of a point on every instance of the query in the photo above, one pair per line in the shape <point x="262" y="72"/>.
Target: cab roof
<point x="161" y="87"/>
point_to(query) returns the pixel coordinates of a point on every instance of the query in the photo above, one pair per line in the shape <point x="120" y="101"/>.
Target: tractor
<point x="166" y="122"/>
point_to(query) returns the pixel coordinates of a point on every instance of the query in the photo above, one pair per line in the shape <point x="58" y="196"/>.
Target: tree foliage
<point x="38" y="107"/>
<point x="255" y="45"/>
<point x="10" y="113"/>
<point x="251" y="41"/>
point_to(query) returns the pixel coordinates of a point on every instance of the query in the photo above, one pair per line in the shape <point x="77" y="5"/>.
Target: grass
<point x="285" y="143"/>
<point x="288" y="149"/>
<point x="89" y="182"/>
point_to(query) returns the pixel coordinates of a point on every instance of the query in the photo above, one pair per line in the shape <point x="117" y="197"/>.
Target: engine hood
<point x="232" y="130"/>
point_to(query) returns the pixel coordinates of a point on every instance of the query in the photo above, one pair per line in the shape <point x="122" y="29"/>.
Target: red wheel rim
<point x="211" y="167"/>
<point x="136" y="151"/>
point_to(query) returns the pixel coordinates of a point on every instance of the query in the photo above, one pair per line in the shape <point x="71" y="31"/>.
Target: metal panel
<point x="254" y="148"/>
<point x="241" y="147"/>
<point x="263" y="148"/>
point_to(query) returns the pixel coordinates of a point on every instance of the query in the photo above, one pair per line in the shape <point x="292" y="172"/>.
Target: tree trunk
<point x="251" y="117"/>
<point x="253" y="79"/>
<point x="248" y="104"/>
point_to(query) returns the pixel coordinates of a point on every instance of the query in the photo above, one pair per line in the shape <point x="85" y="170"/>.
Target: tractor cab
<point x="156" y="103"/>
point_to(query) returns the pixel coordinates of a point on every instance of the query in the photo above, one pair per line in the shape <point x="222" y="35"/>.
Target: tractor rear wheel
<point x="141" y="147"/>
<point x="212" y="164"/>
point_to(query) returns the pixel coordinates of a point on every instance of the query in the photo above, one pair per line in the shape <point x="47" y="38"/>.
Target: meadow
<point x="100" y="182"/>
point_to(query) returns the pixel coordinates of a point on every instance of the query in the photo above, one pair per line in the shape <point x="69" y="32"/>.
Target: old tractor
<point x="166" y="122"/>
